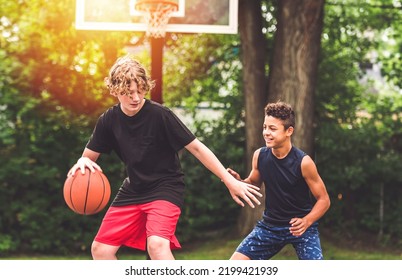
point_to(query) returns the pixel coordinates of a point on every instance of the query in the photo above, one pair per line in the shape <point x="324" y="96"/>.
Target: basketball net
<point x="156" y="14"/>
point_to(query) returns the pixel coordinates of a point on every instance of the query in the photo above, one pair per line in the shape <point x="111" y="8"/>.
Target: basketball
<point x="88" y="193"/>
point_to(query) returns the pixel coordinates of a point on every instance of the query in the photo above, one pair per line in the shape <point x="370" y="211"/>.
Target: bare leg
<point x="159" y="248"/>
<point x="102" y="251"/>
<point x="239" y="256"/>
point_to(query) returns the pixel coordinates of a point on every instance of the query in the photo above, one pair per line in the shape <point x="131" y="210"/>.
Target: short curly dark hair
<point x="125" y="70"/>
<point x="282" y="111"/>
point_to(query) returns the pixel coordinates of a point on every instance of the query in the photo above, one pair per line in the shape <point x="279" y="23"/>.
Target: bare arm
<point x="238" y="190"/>
<point x="317" y="188"/>
<point x="87" y="160"/>
<point x="254" y="177"/>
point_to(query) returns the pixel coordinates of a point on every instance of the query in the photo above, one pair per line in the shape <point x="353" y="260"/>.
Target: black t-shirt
<point x="148" y="143"/>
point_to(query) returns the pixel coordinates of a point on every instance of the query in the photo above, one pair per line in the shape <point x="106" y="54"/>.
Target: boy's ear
<point x="290" y="130"/>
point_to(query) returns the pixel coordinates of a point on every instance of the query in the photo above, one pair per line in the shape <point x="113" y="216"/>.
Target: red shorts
<point x="131" y="225"/>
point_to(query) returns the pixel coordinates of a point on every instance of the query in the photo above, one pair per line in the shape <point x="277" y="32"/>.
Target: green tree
<point x="349" y="133"/>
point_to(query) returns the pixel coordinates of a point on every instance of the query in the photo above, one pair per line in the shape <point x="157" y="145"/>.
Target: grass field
<point x="222" y="249"/>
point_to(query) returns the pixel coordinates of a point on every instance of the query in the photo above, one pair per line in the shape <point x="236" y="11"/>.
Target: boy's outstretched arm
<point x="240" y="191"/>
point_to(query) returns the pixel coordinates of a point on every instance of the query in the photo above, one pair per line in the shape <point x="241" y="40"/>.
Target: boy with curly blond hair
<point x="147" y="137"/>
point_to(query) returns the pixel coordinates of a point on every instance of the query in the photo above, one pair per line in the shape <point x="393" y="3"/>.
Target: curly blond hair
<point x="126" y="70"/>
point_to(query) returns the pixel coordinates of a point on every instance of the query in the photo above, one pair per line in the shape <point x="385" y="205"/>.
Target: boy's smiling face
<point x="274" y="132"/>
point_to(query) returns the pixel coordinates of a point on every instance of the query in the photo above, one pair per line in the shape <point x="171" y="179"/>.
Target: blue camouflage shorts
<point x="267" y="240"/>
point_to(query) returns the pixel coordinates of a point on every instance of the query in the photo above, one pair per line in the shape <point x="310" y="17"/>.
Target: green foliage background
<point x="51" y="93"/>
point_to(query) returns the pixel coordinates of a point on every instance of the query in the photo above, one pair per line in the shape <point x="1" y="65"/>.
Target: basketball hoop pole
<point x="156" y="68"/>
<point x="156" y="14"/>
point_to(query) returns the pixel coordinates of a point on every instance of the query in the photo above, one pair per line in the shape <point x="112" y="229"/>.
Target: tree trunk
<point x="293" y="70"/>
<point x="254" y="89"/>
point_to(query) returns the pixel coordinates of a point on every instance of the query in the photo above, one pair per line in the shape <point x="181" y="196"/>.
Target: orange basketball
<point x="88" y="193"/>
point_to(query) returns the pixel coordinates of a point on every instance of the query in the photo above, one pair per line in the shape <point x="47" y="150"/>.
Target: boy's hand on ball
<point x="82" y="164"/>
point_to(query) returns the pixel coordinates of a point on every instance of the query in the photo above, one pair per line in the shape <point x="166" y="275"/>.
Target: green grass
<point x="218" y="250"/>
<point x="222" y="249"/>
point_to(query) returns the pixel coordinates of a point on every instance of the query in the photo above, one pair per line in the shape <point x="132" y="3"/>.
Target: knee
<point x="100" y="251"/>
<point x="96" y="250"/>
<point x="155" y="245"/>
<point x="158" y="247"/>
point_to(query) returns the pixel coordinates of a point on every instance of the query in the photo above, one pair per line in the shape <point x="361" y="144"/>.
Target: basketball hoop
<point x="156" y="14"/>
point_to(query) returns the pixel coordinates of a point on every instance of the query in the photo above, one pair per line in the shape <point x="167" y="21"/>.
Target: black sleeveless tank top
<point x="287" y="193"/>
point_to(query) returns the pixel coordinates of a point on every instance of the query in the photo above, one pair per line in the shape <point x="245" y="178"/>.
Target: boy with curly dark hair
<point x="290" y="177"/>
